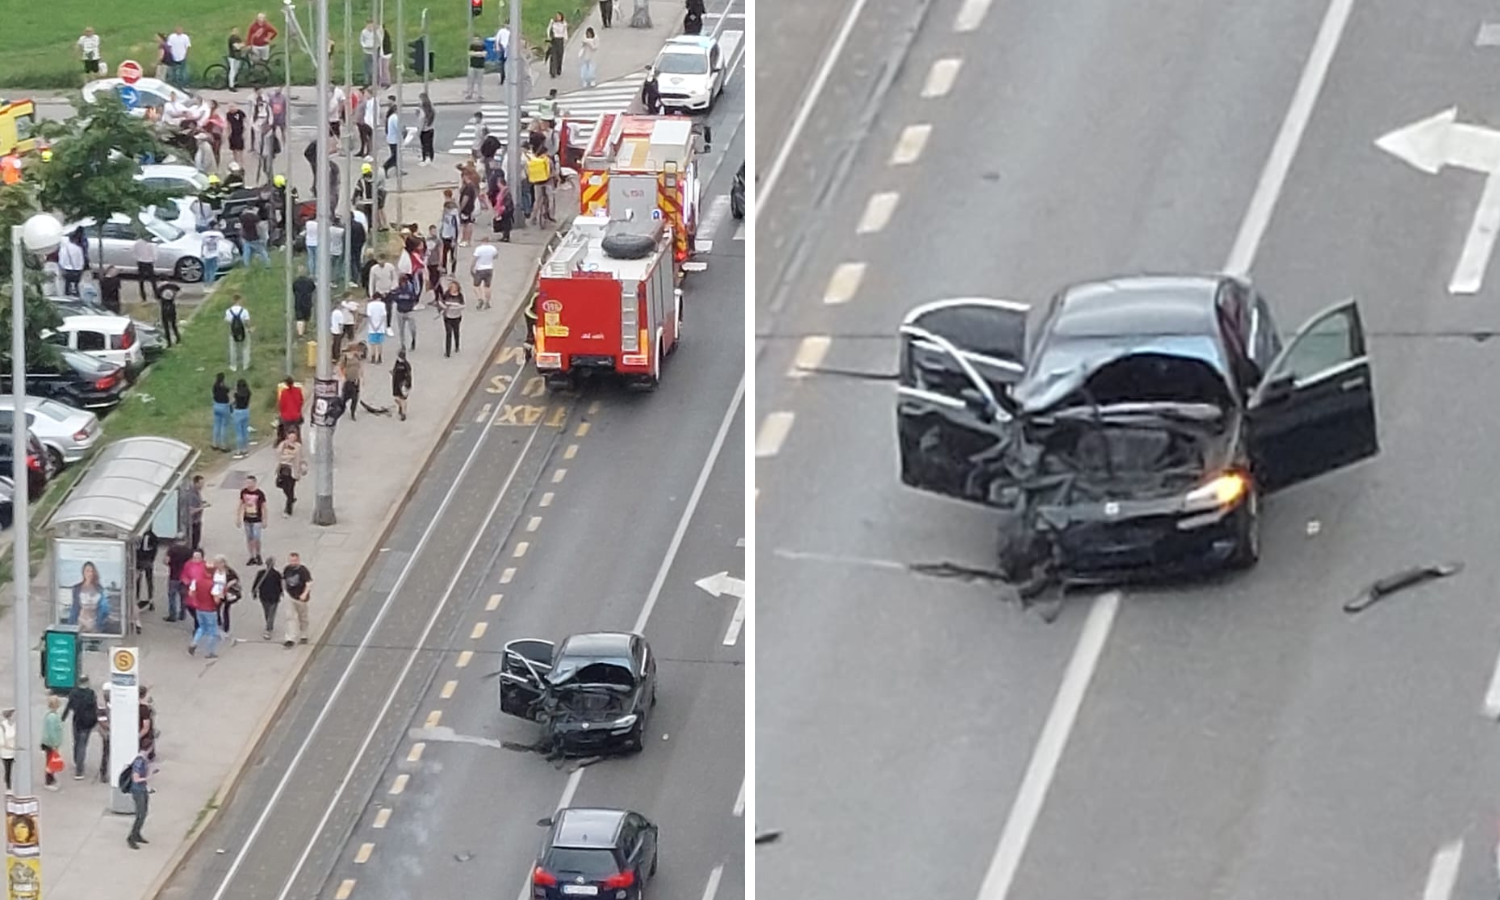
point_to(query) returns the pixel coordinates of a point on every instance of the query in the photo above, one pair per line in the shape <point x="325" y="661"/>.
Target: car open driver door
<point x="523" y="673"/>
<point x="1314" y="411"/>
<point x="953" y="404"/>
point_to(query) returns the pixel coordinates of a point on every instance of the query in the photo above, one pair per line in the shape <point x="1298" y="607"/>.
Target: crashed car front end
<point x="587" y="719"/>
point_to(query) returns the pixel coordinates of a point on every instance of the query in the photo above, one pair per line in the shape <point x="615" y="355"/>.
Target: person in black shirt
<point x="267" y="589"/>
<point x="303" y="288"/>
<point x="145" y="569"/>
<point x="252" y="515"/>
<point x="222" y="414"/>
<point x="235" y="118"/>
<point x="241" y="414"/>
<point x="357" y="238"/>
<point x="297" y="581"/>
<point x="178" y="554"/>
<point x="83" y="705"/>
<point x="109" y="290"/>
<point x="167" y="297"/>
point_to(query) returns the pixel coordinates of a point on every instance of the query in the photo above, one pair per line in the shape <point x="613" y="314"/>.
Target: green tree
<point x="17" y="204"/>
<point x="95" y="159"/>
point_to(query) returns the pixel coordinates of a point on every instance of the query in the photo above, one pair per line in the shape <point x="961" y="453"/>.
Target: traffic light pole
<point x="426" y="53"/>
<point x="513" y="101"/>
<point x="400" y="102"/>
<point x="348" y="181"/>
<point x="469" y="42"/>
<point x="286" y="195"/>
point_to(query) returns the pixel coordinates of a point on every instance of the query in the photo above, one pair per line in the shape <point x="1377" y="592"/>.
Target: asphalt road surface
<point x="1239" y="738"/>
<point x="568" y="515"/>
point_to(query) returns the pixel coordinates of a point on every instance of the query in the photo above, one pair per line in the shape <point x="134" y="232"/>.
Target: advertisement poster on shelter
<point x="90" y="583"/>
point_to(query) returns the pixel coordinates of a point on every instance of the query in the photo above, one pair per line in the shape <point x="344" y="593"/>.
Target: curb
<point x="287" y="689"/>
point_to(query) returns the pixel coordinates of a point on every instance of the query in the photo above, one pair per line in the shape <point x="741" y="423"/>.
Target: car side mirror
<point x="1277" y="389"/>
<point x="544" y="823"/>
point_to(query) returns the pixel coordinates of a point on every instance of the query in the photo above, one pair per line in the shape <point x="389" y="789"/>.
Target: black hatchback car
<point x="1138" y="432"/>
<point x="37" y="473"/>
<point x="592" y="694"/>
<point x="77" y="379"/>
<point x="603" y="853"/>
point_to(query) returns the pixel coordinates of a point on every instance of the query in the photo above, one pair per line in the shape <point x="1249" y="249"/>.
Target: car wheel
<point x="189" y="270"/>
<point x="56" y="460"/>
<point x="1247" y="547"/>
<point x="736" y="206"/>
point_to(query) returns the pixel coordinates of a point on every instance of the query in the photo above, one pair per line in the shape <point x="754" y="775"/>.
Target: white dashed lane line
<point x="810" y="354"/>
<point x="971" y="15"/>
<point x="878" y="212"/>
<point x="714" y="877"/>
<point x="940" y="77"/>
<point x="773" y="433"/>
<point x="844" y="284"/>
<point x="1444" y="872"/>
<point x="910" y="145"/>
<point x="739" y="802"/>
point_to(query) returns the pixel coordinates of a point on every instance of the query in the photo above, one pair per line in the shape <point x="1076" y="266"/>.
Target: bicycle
<point x="254" y="72"/>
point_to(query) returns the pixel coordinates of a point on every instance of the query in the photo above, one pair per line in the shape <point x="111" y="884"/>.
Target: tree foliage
<point x="95" y="159"/>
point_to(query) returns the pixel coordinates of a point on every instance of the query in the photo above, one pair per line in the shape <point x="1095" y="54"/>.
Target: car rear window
<point x="593" y="865"/>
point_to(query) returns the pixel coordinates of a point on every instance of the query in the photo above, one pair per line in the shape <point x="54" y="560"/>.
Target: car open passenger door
<point x="958" y="361"/>
<point x="523" y="672"/>
<point x="1314" y="411"/>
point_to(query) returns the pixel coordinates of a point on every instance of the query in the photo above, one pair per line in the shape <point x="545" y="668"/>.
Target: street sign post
<point x="129" y="96"/>
<point x="129" y="71"/>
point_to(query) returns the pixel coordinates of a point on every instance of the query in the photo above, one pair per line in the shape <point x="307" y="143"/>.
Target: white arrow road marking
<point x="1444" y="872"/>
<point x="1440" y="141"/>
<point x="721" y="584"/>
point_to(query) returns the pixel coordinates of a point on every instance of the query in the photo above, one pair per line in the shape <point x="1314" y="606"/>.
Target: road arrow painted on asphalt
<point x="1441" y="141"/>
<point x="721" y="584"/>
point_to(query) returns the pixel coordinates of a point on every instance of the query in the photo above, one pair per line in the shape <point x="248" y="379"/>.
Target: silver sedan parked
<point x="67" y="433"/>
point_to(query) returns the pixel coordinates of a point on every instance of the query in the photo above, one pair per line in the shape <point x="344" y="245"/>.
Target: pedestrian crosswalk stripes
<point x="586" y="104"/>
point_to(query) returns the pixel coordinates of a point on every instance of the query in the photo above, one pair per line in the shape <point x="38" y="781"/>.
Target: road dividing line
<point x="415" y="753"/>
<point x="570" y="789"/>
<point x="581" y="430"/>
<point x="736" y="622"/>
<point x="521" y="549"/>
<point x="546" y="500"/>
<point x="971" y="16"/>
<point x="714" y="877"/>
<point x="739" y="802"/>
<point x="433" y="718"/>
<point x="346" y="888"/>
<point x="492" y="604"/>
<point x="1273" y="177"/>
<point x="507" y="574"/>
<point x="810" y="354"/>
<point x="940" y="77"/>
<point x="1492" y="696"/>
<point x="1049" y="748"/>
<point x="773" y="433"/>
<point x="559" y="475"/>
<point x="910" y="144"/>
<point x="465" y="658"/>
<point x="844" y="283"/>
<point x="382" y="817"/>
<point x="878" y="212"/>
<point x="1444" y="872"/>
<point x="571" y="451"/>
<point x="363" y="856"/>
<point x="449" y="688"/>
<point x="479" y="629"/>
<point x="399" y="785"/>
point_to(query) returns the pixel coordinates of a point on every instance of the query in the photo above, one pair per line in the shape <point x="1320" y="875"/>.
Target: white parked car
<point x="181" y="180"/>
<point x="67" y="433"/>
<point x="113" y="339"/>
<point x="152" y="93"/>
<point x="689" y="73"/>
<point x="179" y="252"/>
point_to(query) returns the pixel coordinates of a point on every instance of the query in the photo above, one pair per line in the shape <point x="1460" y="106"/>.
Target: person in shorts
<point x="375" y="326"/>
<point x="483" y="269"/>
<point x="252" y="516"/>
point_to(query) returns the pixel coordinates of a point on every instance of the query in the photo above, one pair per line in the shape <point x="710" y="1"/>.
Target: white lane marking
<point x="1273" y="177"/>
<point x="971" y="15"/>
<point x="1049" y="748"/>
<point x="1479" y="245"/>
<point x="739" y="801"/>
<point x="773" y="433"/>
<point x="736" y="622"/>
<point x="940" y="77"/>
<point x="338" y="688"/>
<point x="546" y="500"/>
<point x="521" y="549"/>
<point x="718" y="208"/>
<point x="810" y="354"/>
<point x="739" y="233"/>
<point x="878" y="212"/>
<point x="712" y="887"/>
<point x="910" y="144"/>
<point x="1489" y="35"/>
<point x="1444" y="872"/>
<point x="534" y="523"/>
<point x="844" y="283"/>
<point x="570" y="788"/>
<point x="1492" y="696"/>
<point x="692" y="506"/>
<point x="805" y="108"/>
<point x="484" y="413"/>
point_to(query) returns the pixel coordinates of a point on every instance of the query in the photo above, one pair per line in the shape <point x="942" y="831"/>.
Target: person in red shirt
<point x="199" y="582"/>
<point x="260" y="36"/>
<point x="289" y="402"/>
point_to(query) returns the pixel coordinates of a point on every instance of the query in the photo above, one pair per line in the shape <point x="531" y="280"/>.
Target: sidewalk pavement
<point x="212" y="713"/>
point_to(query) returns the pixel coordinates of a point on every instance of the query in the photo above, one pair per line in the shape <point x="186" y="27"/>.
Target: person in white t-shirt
<point x="179" y="43"/>
<point x="337" y="319"/>
<point x="311" y="238"/>
<point x="483" y="269"/>
<point x="375" y="322"/>
<point x="88" y="46"/>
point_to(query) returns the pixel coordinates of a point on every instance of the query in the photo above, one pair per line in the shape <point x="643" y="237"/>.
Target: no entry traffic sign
<point x="130" y="71"/>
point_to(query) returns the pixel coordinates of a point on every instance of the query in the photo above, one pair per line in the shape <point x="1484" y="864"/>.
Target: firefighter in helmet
<point x="214" y="195"/>
<point x="235" y="180"/>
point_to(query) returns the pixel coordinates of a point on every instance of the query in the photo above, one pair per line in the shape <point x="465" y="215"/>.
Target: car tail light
<point x="107" y="381"/>
<point x="542" y="878"/>
<point x="82" y="435"/>
<point x="622" y="880"/>
<point x="127" y="340"/>
<point x="33" y="462"/>
<point x="681" y="255"/>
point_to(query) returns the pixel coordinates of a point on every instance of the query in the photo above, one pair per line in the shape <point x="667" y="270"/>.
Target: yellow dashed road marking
<point x="583" y="429"/>
<point x="492" y="604"/>
<point x="399" y="785"/>
<point x="571" y="451"/>
<point x="559" y="475"/>
<point x="941" y="76"/>
<point x="448" y="690"/>
<point x="844" y="283"/>
<point x="521" y="549"/>
<point x="546" y="500"/>
<point x="479" y="629"/>
<point x="346" y="887"/>
<point x="382" y="817"/>
<point x="433" y="718"/>
<point x="465" y="658"/>
<point x="363" y="856"/>
<point x="507" y="574"/>
<point x="415" y="754"/>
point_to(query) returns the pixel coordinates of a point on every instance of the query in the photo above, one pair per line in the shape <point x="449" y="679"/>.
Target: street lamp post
<point x="349" y="180"/>
<point x="41" y="233"/>
<point x="323" y="513"/>
<point x="287" y="227"/>
<point x="400" y="103"/>
<point x="514" y="99"/>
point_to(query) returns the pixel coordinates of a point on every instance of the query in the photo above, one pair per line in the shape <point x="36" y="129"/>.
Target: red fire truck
<point x="648" y="165"/>
<point x="607" y="303"/>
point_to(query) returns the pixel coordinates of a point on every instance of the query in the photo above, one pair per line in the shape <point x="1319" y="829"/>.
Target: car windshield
<point x="593" y="865"/>
<point x="164" y="230"/>
<point x="592" y="673"/>
<point x="682" y="63"/>
<point x="59" y="412"/>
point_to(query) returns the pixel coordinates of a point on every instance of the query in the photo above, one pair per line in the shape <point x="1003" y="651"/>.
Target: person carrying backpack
<point x="133" y="782"/>
<point x="83" y="706"/>
<point x="239" y="334"/>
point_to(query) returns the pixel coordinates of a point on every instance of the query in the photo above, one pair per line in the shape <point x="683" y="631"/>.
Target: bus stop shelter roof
<point x="124" y="484"/>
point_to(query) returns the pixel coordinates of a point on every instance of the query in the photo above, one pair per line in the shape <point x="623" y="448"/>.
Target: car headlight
<point x="626" y="722"/>
<point x="1222" y="492"/>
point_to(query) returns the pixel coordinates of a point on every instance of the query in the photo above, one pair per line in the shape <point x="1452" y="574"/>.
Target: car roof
<point x="689" y="42"/>
<point x="95" y="323"/>
<point x="1141" y="305"/>
<point x="597" y="645"/>
<point x="170" y="170"/>
<point x="154" y="85"/>
<point x="581" y="828"/>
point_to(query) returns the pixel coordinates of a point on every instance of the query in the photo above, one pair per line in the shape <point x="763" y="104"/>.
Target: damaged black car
<point x="591" y="695"/>
<point x="1134" y="436"/>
